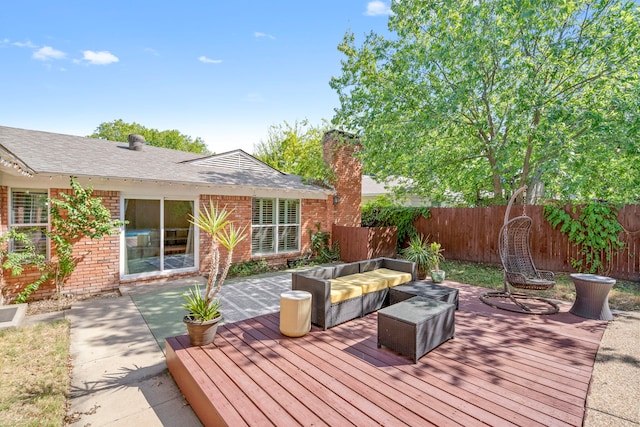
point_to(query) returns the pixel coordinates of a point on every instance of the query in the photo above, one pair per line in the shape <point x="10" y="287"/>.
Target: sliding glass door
<point x="158" y="235"/>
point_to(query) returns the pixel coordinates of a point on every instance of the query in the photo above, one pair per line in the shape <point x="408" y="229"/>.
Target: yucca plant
<point x="419" y="252"/>
<point x="215" y="222"/>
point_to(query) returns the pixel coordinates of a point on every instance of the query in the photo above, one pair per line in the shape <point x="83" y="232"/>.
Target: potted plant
<point x="435" y="256"/>
<point x="419" y="252"/>
<point x="204" y="309"/>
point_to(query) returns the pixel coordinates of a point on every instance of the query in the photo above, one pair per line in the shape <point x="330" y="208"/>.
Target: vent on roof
<point x="136" y="142"/>
<point x="235" y="160"/>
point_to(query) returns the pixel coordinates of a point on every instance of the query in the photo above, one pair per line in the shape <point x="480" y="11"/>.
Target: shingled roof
<point x="51" y="154"/>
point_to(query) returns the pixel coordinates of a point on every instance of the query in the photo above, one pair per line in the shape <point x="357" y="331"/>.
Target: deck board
<point x="501" y="369"/>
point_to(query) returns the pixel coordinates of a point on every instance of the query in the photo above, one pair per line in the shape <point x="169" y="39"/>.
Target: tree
<point x="118" y="130"/>
<point x="481" y="97"/>
<point x="296" y="149"/>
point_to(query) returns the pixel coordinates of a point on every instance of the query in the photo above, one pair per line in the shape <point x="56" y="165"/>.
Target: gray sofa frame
<point x="317" y="282"/>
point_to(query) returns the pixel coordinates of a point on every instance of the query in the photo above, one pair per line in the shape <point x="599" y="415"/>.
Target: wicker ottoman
<point x="420" y="288"/>
<point x="416" y="326"/>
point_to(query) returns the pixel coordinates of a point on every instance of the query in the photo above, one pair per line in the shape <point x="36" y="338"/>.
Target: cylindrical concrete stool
<point x="295" y="313"/>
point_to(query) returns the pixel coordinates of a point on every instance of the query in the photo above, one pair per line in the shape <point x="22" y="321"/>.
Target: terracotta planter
<point x="202" y="333"/>
<point x="437" y="276"/>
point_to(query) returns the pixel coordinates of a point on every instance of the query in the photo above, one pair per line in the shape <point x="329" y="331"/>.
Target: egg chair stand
<point x="519" y="270"/>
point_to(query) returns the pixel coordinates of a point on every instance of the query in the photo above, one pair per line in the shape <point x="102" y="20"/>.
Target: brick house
<point x="154" y="190"/>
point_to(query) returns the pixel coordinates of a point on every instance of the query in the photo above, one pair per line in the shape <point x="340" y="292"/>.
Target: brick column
<point x="340" y="149"/>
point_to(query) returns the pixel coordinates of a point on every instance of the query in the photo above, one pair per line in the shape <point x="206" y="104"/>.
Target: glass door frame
<point x="162" y="271"/>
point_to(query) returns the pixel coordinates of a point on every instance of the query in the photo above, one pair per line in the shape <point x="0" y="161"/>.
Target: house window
<point x="30" y="215"/>
<point x="275" y="226"/>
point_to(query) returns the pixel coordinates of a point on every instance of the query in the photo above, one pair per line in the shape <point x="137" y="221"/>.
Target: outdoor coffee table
<point x="416" y="326"/>
<point x="420" y="288"/>
<point x="592" y="296"/>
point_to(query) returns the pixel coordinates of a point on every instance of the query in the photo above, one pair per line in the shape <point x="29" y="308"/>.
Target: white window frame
<point x="277" y="226"/>
<point x="46" y="225"/>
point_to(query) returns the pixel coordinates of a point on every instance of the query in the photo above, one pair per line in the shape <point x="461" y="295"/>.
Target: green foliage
<point x="596" y="233"/>
<point x="199" y="307"/>
<point x="321" y="250"/>
<point x="15" y="261"/>
<point x="215" y="221"/>
<point x="427" y="256"/>
<point x="435" y="256"/>
<point x="418" y="251"/>
<point x="296" y="149"/>
<point x="477" y="98"/>
<point x="388" y="215"/>
<point x="249" y="268"/>
<point x="118" y="130"/>
<point x="73" y="216"/>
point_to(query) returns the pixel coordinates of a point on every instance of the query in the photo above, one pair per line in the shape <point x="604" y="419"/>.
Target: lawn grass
<point x="624" y="295"/>
<point x="34" y="372"/>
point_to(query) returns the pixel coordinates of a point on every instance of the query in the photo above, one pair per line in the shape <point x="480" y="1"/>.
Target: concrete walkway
<point x="120" y="376"/>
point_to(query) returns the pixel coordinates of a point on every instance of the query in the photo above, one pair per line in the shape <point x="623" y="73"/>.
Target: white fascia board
<point x="157" y="188"/>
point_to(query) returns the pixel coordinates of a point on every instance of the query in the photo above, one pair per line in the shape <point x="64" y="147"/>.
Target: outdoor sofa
<point x="347" y="291"/>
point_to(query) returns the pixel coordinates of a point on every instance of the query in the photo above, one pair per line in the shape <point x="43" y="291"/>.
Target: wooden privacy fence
<point x="471" y="234"/>
<point x="358" y="243"/>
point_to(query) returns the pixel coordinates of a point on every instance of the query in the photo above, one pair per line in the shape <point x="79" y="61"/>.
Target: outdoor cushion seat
<point x="368" y="283"/>
<point x="393" y="277"/>
<point x="335" y="300"/>
<point x="341" y="291"/>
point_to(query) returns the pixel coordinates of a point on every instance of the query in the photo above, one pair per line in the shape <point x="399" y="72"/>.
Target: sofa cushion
<point x="370" y="264"/>
<point x="342" y="291"/>
<point x="368" y="283"/>
<point x="393" y="277"/>
<point x="346" y="269"/>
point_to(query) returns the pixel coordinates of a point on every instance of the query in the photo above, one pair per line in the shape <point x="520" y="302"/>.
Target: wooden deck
<point x="501" y="369"/>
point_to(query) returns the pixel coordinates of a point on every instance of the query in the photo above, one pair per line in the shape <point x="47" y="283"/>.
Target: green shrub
<point x="377" y="214"/>
<point x="249" y="268"/>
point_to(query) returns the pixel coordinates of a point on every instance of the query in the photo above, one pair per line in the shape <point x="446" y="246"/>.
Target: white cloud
<point x="47" y="52"/>
<point x="152" y="51"/>
<point x="209" y="60"/>
<point x="99" y="58"/>
<point x="25" y="44"/>
<point x="376" y="8"/>
<point x="259" y="35"/>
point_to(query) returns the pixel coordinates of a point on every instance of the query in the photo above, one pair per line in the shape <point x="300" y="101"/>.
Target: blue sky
<point x="221" y="70"/>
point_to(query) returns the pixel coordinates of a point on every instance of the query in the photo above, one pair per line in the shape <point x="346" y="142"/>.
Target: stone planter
<point x="437" y="276"/>
<point x="202" y="333"/>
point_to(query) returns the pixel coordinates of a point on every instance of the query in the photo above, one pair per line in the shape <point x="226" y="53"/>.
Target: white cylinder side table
<point x="295" y="313"/>
<point x="592" y="296"/>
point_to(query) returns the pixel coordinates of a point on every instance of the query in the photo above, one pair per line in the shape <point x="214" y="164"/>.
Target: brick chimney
<point x="340" y="150"/>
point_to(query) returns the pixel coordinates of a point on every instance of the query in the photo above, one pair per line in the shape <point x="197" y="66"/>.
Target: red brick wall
<point x="312" y="212"/>
<point x="240" y="216"/>
<point x="97" y="268"/>
<point x="340" y="150"/>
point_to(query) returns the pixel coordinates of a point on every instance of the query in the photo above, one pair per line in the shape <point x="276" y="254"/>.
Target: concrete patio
<point x="120" y="376"/>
